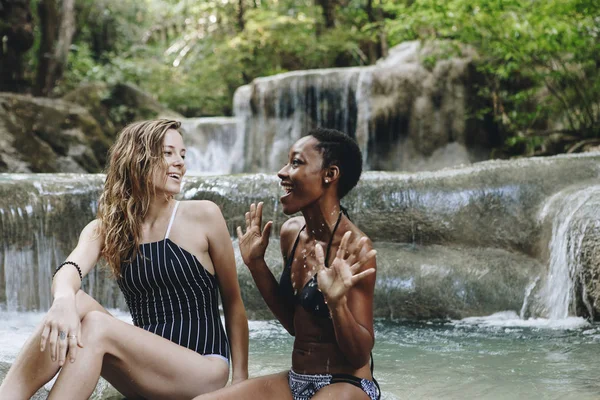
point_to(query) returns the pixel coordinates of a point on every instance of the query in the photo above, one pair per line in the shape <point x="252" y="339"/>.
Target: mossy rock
<point x="115" y="106"/>
<point x="49" y="135"/>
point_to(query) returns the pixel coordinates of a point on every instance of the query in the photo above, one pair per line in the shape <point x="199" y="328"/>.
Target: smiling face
<point x="167" y="177"/>
<point x="302" y="177"/>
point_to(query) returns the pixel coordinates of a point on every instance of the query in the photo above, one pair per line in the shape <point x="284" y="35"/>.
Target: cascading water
<point x="241" y="109"/>
<point x="450" y="243"/>
<point x="282" y="108"/>
<point x="569" y="226"/>
<point x="404" y="115"/>
<point x="209" y="143"/>
<point x="528" y="290"/>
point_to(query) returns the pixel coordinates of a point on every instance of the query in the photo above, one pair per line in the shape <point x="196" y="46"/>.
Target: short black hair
<point x="342" y="150"/>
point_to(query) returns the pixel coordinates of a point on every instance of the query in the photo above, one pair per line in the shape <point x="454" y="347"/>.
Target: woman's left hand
<point x="343" y="273"/>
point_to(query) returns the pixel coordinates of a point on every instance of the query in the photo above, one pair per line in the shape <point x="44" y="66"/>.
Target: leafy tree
<point x="539" y="58"/>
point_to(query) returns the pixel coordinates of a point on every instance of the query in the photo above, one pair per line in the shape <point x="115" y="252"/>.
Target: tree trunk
<point x="328" y="7"/>
<point x="379" y="47"/>
<point x="65" y="38"/>
<point x="373" y="51"/>
<point x="16" y="37"/>
<point x="48" y="25"/>
<point x="240" y="15"/>
<point x="57" y="35"/>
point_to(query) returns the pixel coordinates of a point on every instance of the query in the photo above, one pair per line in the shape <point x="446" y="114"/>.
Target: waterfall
<point x="276" y="111"/>
<point x="475" y="225"/>
<point x="363" y="101"/>
<point x="209" y="143"/>
<point x="569" y="226"/>
<point x="241" y="109"/>
<point x="406" y="115"/>
<point x="528" y="291"/>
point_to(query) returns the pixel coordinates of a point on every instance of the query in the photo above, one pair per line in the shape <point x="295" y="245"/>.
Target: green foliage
<point x="194" y="55"/>
<point x="539" y="58"/>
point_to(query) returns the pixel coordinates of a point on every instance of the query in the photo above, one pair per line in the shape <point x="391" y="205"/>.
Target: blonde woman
<point x="170" y="260"/>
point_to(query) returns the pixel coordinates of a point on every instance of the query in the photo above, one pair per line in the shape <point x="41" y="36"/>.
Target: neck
<point x="321" y="218"/>
<point x="158" y="206"/>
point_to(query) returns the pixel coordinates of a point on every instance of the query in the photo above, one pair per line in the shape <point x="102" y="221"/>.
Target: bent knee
<point x="218" y="379"/>
<point x="95" y="328"/>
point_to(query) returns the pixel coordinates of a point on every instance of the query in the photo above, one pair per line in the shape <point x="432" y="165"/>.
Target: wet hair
<point x="339" y="149"/>
<point x="133" y="159"/>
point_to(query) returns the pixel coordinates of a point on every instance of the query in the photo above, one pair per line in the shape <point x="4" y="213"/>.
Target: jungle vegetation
<point x="539" y="60"/>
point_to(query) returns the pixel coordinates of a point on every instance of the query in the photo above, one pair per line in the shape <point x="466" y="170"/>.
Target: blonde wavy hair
<point x="134" y="157"/>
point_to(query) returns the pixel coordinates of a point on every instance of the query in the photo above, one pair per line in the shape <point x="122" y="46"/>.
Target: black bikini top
<point x="310" y="297"/>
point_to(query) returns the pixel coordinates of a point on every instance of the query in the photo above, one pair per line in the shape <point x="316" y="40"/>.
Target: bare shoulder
<point x="289" y="231"/>
<point x="92" y="230"/>
<point x="357" y="234"/>
<point x="291" y="227"/>
<point x="200" y="211"/>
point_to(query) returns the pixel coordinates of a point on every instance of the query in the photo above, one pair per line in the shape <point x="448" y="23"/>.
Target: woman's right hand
<point x="254" y="242"/>
<point x="62" y="330"/>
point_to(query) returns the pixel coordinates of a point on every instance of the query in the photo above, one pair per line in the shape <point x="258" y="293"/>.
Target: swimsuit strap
<point x="172" y="219"/>
<point x="332" y="235"/>
<point x="296" y="242"/>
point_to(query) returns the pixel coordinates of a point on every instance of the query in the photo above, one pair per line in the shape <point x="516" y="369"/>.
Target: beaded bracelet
<point x="73" y="264"/>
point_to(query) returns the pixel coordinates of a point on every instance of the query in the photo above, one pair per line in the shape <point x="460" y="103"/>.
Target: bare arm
<point x="269" y="289"/>
<point x="67" y="282"/>
<point x="62" y="316"/>
<point x="348" y="287"/>
<point x="253" y="244"/>
<point x="236" y="322"/>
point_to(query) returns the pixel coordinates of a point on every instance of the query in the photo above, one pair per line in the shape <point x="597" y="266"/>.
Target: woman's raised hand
<point x="343" y="273"/>
<point x="62" y="330"/>
<point x="254" y="242"/>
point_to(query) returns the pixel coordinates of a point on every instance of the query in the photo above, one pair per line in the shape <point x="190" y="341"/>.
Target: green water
<point x="496" y="357"/>
<point x="465" y="360"/>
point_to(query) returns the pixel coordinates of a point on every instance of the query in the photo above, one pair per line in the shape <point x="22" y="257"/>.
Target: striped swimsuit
<point x="169" y="293"/>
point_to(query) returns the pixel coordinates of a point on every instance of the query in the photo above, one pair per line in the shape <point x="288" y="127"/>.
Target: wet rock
<point x="48" y="135"/>
<point x="115" y="106"/>
<point x="589" y="304"/>
<point x="487" y="213"/>
<point x="412" y="111"/>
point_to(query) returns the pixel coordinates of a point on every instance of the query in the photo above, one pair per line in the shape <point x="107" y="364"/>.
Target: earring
<point x="326" y="180"/>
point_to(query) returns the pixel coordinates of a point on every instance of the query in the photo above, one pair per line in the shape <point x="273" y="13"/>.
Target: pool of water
<point x="495" y="357"/>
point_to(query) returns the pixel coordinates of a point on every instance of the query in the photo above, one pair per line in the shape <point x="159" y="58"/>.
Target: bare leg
<point x="138" y="363"/>
<point x="265" y="387"/>
<point x="341" y="391"/>
<point x="32" y="368"/>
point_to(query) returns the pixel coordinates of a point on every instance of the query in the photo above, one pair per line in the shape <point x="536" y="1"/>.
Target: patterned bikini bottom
<point x="304" y="387"/>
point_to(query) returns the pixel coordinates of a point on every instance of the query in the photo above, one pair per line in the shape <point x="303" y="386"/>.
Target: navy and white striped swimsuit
<point x="171" y="294"/>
